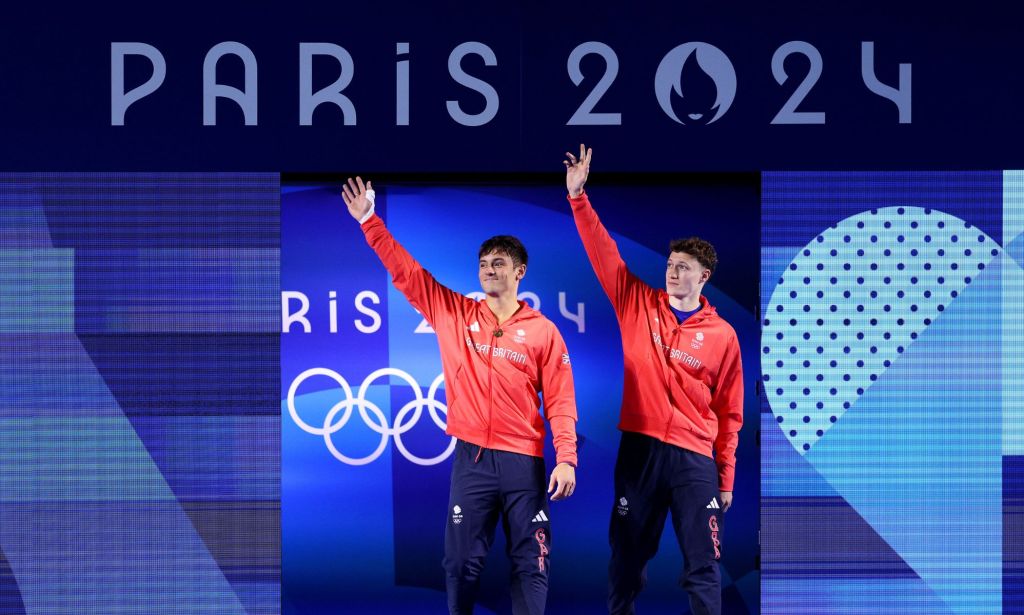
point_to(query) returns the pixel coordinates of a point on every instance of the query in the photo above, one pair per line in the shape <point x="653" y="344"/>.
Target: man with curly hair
<point x="682" y="408"/>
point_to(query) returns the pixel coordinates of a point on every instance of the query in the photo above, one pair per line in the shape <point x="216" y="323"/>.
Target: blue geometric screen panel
<point x="886" y="367"/>
<point x="139" y="443"/>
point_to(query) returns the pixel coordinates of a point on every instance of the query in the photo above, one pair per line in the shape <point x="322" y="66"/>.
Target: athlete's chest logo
<point x="676" y="354"/>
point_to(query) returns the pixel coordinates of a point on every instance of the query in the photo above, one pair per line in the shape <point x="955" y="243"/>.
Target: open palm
<point x="357" y="197"/>
<point x="576" y="170"/>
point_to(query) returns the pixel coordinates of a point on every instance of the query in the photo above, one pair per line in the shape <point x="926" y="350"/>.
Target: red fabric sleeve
<point x="727" y="403"/>
<point x="556" y="384"/>
<point x="563" y="435"/>
<point x="421" y="289"/>
<point x="615" y="278"/>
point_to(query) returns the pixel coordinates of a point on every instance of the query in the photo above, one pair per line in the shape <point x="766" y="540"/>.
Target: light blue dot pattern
<point x="874" y="282"/>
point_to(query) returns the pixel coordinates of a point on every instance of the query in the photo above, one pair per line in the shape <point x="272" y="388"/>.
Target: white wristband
<point x="371" y="197"/>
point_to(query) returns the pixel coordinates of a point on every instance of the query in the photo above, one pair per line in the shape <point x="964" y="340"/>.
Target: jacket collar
<point x="706" y="309"/>
<point x="524" y="312"/>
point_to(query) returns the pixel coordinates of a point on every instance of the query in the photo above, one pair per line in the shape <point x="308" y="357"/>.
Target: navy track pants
<point x="651" y="479"/>
<point x="488" y="486"/>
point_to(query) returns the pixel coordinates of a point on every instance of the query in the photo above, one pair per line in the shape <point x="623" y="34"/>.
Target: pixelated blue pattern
<point x="793" y="477"/>
<point x="1013" y="534"/>
<point x="883" y="308"/>
<point x="871" y="299"/>
<point x="29" y="271"/>
<point x="1013" y="315"/>
<point x="159" y="211"/>
<point x="175" y="290"/>
<point x="25" y="224"/>
<point x="1013" y="392"/>
<point x="10" y="596"/>
<point x="139" y="460"/>
<point x="796" y="207"/>
<point x="919" y="454"/>
<point x="846" y="595"/>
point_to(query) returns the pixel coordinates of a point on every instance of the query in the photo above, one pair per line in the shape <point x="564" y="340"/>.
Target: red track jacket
<point x="492" y="381"/>
<point x="683" y="382"/>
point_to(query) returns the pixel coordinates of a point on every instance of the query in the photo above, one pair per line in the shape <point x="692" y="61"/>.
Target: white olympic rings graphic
<point x="366" y="407"/>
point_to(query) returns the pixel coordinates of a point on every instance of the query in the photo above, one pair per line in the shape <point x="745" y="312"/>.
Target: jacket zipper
<point x="490" y="391"/>
<point x="668" y="365"/>
<point x="490" y="372"/>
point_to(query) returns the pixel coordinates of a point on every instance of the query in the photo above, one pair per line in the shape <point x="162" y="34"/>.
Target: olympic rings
<point x="379" y="420"/>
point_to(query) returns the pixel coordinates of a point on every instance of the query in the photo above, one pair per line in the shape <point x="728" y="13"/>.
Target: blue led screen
<point x="139" y="431"/>
<point x="892" y="380"/>
<point x="364" y="502"/>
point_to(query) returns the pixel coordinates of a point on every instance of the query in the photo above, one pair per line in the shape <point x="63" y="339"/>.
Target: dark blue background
<point x="55" y="86"/>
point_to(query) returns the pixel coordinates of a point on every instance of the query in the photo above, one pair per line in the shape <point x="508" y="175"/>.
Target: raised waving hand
<point x="576" y="170"/>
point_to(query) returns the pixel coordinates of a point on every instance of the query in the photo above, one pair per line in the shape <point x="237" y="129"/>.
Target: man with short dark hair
<point x="682" y="402"/>
<point x="505" y="244"/>
<point x="498" y="355"/>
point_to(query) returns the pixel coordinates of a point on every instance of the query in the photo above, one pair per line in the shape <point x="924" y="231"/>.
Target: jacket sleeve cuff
<point x="725" y="482"/>
<point x="563" y="435"/>
<point x="569" y="458"/>
<point x="578" y="201"/>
